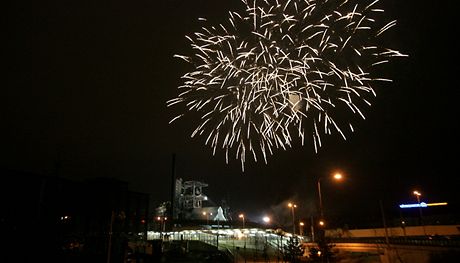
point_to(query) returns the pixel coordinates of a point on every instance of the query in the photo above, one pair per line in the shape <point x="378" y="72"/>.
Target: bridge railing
<point x="251" y="238"/>
<point x="451" y="241"/>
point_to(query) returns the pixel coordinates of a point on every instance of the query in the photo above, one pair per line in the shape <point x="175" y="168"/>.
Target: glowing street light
<point x="337" y="177"/>
<point x="162" y="221"/>
<point x="322" y="223"/>
<point x="417" y="195"/>
<point x="266" y="219"/>
<point x="301" y="225"/>
<point x="292" y="206"/>
<point x="242" y="217"/>
<point x="207" y="217"/>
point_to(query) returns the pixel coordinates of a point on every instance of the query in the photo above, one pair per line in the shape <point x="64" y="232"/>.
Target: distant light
<point x="338" y="176"/>
<point x="422" y="204"/>
<point x="266" y="219"/>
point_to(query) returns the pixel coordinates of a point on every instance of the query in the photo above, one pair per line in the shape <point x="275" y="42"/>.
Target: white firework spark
<point x="281" y="69"/>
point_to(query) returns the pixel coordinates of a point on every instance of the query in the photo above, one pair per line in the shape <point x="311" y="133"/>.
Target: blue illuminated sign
<point x="422" y="204"/>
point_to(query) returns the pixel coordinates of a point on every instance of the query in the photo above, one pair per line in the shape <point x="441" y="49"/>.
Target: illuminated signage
<point x="422" y="204"/>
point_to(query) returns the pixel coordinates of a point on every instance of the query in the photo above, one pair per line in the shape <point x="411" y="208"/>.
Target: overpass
<point x="424" y="244"/>
<point x="267" y="245"/>
<point x="383" y="252"/>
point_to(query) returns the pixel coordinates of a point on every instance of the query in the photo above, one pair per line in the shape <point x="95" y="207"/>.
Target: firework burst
<point x="281" y="70"/>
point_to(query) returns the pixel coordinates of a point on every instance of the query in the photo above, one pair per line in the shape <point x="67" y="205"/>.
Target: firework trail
<point x="281" y="70"/>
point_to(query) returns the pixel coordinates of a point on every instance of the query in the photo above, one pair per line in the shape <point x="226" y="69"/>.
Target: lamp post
<point x="336" y="177"/>
<point x="320" y="199"/>
<point x="242" y="217"/>
<point x="162" y="221"/>
<point x="417" y="195"/>
<point x="207" y="217"/>
<point x="312" y="229"/>
<point x="322" y="222"/>
<point x="292" y="206"/>
<point x="301" y="224"/>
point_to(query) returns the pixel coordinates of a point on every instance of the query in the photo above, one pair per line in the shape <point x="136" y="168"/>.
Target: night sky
<point x="86" y="90"/>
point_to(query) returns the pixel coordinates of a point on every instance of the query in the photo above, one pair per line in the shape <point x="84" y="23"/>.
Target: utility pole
<point x="312" y="226"/>
<point x="387" y="241"/>
<point x="173" y="187"/>
<point x="109" y="245"/>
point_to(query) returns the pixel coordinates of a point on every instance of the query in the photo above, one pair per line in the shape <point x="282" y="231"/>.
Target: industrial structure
<point x="190" y="203"/>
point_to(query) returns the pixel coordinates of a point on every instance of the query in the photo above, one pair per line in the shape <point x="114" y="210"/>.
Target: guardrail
<point x="444" y="241"/>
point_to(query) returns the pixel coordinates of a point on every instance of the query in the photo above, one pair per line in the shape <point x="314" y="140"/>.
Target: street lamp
<point x="242" y="217"/>
<point x="207" y="217"/>
<point x="292" y="206"/>
<point x="321" y="223"/>
<point x="417" y="195"/>
<point x="266" y="219"/>
<point x="301" y="224"/>
<point x="337" y="177"/>
<point x="162" y="221"/>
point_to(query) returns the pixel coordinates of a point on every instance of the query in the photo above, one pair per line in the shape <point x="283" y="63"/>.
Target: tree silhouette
<point x="293" y="250"/>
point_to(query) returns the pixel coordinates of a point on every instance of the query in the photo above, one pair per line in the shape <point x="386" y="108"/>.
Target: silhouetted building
<point x="53" y="216"/>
